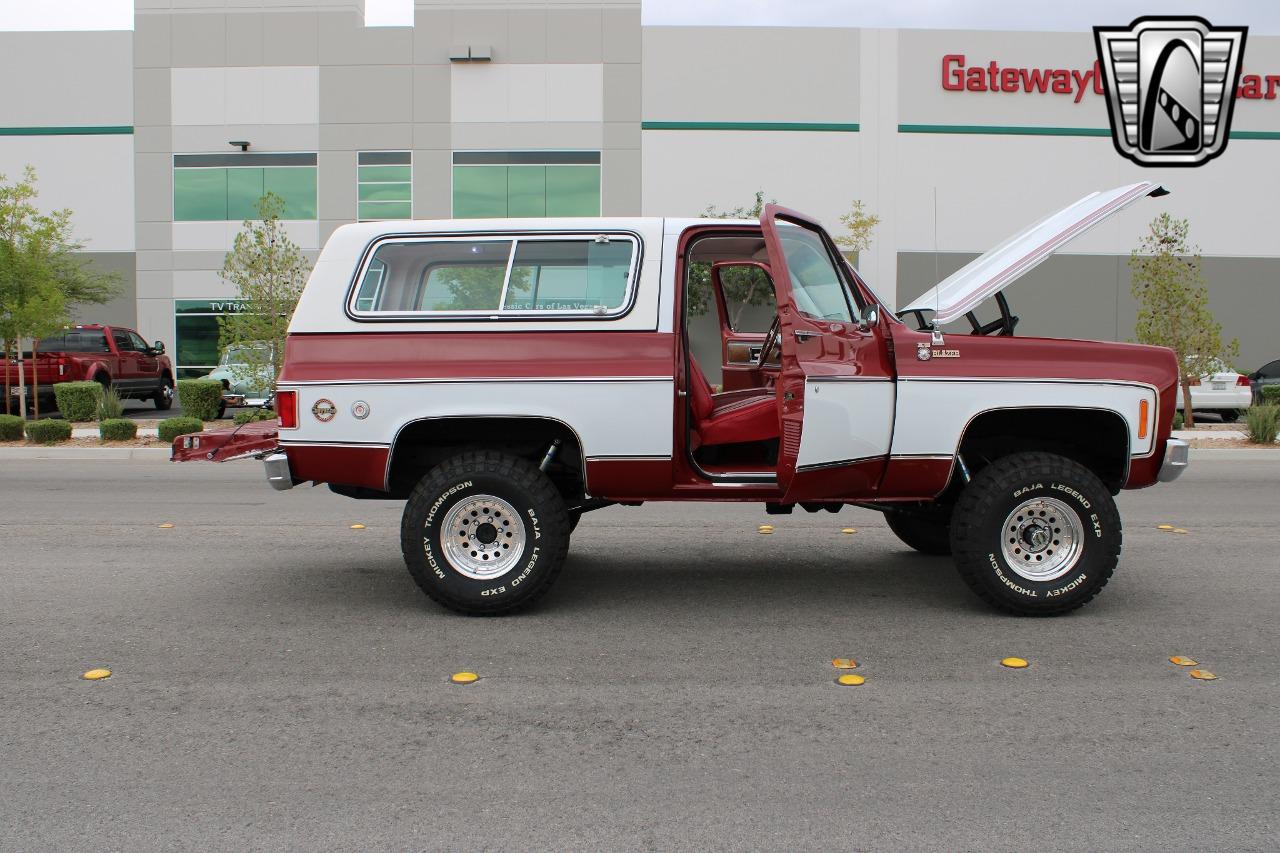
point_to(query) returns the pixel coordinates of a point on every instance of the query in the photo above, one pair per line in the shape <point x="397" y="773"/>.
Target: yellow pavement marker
<point x="850" y="530"/>
<point x="1180" y="530"/>
<point x="1202" y="675"/>
<point x="464" y="678"/>
<point x="1181" y="661"/>
<point x="1164" y="527"/>
<point x="844" y="663"/>
<point x="357" y="526"/>
<point x="166" y="525"/>
<point x="850" y="680"/>
<point x="96" y="674"/>
<point x="1014" y="663"/>
<point x="765" y="529"/>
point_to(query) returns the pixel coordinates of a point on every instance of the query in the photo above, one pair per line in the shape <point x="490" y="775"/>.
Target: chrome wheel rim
<point x="483" y="537"/>
<point x="1042" y="539"/>
<point x="167" y="391"/>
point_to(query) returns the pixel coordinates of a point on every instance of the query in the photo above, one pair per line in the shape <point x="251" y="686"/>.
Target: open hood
<point x="987" y="275"/>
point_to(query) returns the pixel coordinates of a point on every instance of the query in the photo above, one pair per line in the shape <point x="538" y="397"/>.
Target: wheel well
<point x="421" y="445"/>
<point x="1096" y="438"/>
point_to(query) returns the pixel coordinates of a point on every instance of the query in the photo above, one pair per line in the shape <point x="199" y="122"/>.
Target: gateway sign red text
<point x="959" y="76"/>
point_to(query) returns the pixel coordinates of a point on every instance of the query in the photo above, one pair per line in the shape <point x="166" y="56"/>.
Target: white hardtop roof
<point x="372" y="230"/>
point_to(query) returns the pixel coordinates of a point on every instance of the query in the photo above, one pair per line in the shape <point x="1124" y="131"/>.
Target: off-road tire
<point x="163" y="400"/>
<point x="977" y="533"/>
<point x="928" y="531"/>
<point x="519" y="483"/>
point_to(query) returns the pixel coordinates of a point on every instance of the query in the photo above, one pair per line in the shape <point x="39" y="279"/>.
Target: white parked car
<point x="1220" y="390"/>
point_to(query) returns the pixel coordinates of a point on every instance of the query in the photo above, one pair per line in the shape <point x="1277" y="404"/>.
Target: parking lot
<point x="280" y="683"/>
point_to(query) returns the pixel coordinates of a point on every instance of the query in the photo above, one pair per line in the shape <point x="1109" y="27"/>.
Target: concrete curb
<point x="143" y="432"/>
<point x="1213" y="454"/>
<point x="91" y="454"/>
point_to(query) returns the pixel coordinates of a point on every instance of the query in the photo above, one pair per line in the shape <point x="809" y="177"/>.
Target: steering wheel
<point x="770" y="341"/>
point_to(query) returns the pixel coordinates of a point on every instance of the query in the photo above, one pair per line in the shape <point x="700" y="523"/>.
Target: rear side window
<point x="75" y="340"/>
<point x="497" y="276"/>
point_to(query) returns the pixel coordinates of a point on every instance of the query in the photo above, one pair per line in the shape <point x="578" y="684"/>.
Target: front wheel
<point x="1035" y="534"/>
<point x="485" y="533"/>
<point x="164" y="395"/>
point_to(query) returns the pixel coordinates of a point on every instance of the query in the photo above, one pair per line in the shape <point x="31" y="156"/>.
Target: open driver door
<point x="835" y="390"/>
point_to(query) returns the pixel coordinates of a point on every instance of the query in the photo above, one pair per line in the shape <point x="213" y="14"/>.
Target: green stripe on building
<point x="1004" y="130"/>
<point x="811" y="126"/>
<point x="1013" y="130"/>
<point x="89" y="130"/>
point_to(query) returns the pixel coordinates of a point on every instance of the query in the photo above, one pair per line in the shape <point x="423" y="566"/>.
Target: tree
<point x="268" y="271"/>
<point x="860" y="225"/>
<point x="1173" y="303"/>
<point x="41" y="274"/>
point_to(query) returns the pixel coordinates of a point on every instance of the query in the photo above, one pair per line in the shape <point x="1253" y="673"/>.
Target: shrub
<point x="249" y="416"/>
<point x="1270" y="395"/>
<point x="1177" y="420"/>
<point x="11" y="428"/>
<point x="1262" y="423"/>
<point x="171" y="428"/>
<point x="49" y="431"/>
<point x="78" y="401"/>
<point x="200" y="398"/>
<point x="110" y="406"/>
<point x="117" y="429"/>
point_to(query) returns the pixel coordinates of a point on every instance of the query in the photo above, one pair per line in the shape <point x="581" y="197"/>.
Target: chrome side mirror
<point x="870" y="318"/>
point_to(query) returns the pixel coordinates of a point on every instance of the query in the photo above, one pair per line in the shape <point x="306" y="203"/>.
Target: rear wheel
<point x="1035" y="534"/>
<point x="926" y="530"/>
<point x="485" y="533"/>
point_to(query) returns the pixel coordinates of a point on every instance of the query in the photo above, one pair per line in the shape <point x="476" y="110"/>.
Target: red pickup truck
<point x="113" y="355"/>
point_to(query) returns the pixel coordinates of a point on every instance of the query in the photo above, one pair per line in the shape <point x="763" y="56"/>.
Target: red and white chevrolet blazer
<point x="506" y="376"/>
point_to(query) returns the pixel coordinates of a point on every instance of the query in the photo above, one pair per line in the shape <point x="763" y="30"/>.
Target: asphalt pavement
<point x="280" y="683"/>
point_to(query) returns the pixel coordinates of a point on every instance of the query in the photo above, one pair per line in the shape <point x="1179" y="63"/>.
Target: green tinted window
<point x="297" y="186"/>
<point x="526" y="190"/>
<point x="384" y="191"/>
<point x="371" y="286"/>
<point x="479" y="192"/>
<point x="244" y="188"/>
<point x="382" y="174"/>
<point x="573" y="191"/>
<point x="535" y="191"/>
<point x="197" y="341"/>
<point x="385" y="210"/>
<point x="231" y="194"/>
<point x="199" y="195"/>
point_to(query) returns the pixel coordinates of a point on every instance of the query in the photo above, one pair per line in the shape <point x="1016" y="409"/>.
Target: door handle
<point x="805" y="334"/>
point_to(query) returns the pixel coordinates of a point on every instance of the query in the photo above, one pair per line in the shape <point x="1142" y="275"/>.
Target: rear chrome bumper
<point x="278" y="473"/>
<point x="1177" y="456"/>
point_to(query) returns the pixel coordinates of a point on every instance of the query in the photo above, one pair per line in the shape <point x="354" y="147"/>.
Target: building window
<point x="226" y="187"/>
<point x="498" y="184"/>
<point x="384" y="185"/>
<point x="195" y="327"/>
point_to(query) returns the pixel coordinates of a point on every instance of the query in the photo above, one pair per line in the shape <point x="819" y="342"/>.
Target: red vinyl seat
<point x="734" y="418"/>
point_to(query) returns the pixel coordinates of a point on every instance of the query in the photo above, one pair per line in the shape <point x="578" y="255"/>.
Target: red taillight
<point x="287" y="409"/>
<point x="1242" y="381"/>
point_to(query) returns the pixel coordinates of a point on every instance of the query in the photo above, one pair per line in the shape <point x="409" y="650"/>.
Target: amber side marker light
<point x="1144" y="412"/>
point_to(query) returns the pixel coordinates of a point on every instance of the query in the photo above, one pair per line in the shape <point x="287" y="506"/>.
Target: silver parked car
<point x="241" y="387"/>
<point x="1220" y="390"/>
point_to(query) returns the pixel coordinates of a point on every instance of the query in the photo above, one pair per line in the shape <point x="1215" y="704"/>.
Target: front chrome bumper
<point x="1177" y="456"/>
<point x="278" y="473"/>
